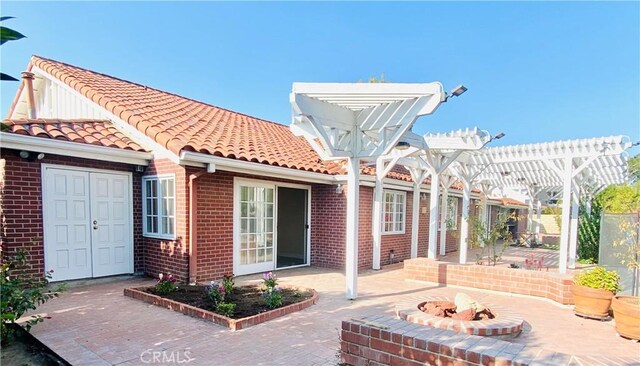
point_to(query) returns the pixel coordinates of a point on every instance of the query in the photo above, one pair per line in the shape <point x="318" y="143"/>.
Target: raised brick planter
<point x="233" y="324"/>
<point x="507" y="324"/>
<point x="550" y="285"/>
<point x="381" y="340"/>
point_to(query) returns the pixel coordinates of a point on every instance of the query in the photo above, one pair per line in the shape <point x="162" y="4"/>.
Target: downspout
<point x="28" y="77"/>
<point x="193" y="229"/>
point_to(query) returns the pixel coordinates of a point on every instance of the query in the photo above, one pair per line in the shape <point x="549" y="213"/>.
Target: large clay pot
<point x="626" y="311"/>
<point x="591" y="302"/>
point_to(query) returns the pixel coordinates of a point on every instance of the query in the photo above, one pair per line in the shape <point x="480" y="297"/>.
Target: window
<point x="452" y="213"/>
<point x="159" y="206"/>
<point x="394" y="207"/>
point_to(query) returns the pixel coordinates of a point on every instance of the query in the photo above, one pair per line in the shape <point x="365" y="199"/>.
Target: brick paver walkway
<point x="97" y="325"/>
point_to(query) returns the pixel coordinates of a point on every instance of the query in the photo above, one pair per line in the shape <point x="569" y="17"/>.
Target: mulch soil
<point x="248" y="299"/>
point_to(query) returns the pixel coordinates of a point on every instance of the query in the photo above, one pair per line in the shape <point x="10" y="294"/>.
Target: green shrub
<point x="599" y="278"/>
<point x="21" y="292"/>
<point x="225" y="308"/>
<point x="227" y="283"/>
<point x="166" y="284"/>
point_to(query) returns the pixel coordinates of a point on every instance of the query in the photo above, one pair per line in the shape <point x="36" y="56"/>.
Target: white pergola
<point x="372" y="123"/>
<point x="430" y="155"/>
<point x="358" y="121"/>
<point x="564" y="169"/>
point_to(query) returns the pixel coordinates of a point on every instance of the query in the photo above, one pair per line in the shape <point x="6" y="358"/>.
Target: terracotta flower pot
<point x="626" y="311"/>
<point x="591" y="302"/>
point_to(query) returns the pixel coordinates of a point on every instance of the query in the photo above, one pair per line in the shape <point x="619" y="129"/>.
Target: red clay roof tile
<point x="87" y="131"/>
<point x="179" y="123"/>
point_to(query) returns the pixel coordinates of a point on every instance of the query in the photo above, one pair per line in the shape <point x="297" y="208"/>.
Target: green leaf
<point x="8" y="34"/>
<point x="5" y="77"/>
<point x="6" y="18"/>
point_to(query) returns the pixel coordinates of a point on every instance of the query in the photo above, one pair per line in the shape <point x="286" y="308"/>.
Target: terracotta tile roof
<point x="86" y="131"/>
<point x="179" y="123"/>
<point x="509" y="202"/>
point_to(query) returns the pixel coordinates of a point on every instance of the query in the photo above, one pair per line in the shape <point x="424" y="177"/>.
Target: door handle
<point x="95" y="224"/>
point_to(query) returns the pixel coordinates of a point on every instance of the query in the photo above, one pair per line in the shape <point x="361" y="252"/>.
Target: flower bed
<point x="223" y="304"/>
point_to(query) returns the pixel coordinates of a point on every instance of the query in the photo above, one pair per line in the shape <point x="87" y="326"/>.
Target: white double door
<point x="87" y="223"/>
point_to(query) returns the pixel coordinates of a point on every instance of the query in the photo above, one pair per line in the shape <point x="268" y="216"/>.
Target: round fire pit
<point x="505" y="324"/>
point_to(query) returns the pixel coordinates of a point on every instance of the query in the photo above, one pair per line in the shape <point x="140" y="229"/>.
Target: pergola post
<point x="538" y="219"/>
<point x="464" y="222"/>
<point x="567" y="179"/>
<point x="377" y="214"/>
<point x="530" y="214"/>
<point x="353" y="193"/>
<point x="433" y="214"/>
<point x="573" y="232"/>
<point x="415" y="219"/>
<point x="447" y="181"/>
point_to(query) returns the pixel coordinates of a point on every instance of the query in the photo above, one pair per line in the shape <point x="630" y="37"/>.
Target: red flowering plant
<point x="166" y="284"/>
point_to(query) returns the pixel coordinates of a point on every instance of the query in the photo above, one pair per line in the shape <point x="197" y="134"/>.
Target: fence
<point x="619" y="235"/>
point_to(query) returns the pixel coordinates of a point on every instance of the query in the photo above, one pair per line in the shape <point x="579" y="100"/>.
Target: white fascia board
<point x="247" y="167"/>
<point x="145" y="141"/>
<point x="74" y="149"/>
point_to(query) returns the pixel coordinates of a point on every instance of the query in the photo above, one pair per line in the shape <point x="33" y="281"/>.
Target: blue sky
<point x="536" y="71"/>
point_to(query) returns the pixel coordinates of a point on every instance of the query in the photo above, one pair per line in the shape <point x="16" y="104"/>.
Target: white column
<point x="415" y="219"/>
<point x="587" y="205"/>
<point x="530" y="215"/>
<point x="443" y="222"/>
<point x="566" y="214"/>
<point x="464" y="222"/>
<point x="378" y="197"/>
<point x="573" y="232"/>
<point x="485" y="219"/>
<point x="433" y="215"/>
<point x="538" y="219"/>
<point x="353" y="193"/>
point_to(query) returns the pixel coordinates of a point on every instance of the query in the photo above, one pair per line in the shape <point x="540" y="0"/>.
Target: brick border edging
<point x="550" y="285"/>
<point x="233" y="324"/>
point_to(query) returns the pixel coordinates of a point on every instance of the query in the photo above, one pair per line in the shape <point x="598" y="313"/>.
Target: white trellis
<point x="562" y="166"/>
<point x="358" y="121"/>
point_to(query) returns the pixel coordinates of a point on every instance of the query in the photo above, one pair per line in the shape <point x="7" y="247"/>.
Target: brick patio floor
<point x="96" y="325"/>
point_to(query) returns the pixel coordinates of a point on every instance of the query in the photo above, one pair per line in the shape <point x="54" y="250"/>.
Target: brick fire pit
<point x="506" y="324"/>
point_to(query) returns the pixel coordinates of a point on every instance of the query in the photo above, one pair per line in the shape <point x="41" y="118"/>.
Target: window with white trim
<point x="159" y="206"/>
<point x="394" y="212"/>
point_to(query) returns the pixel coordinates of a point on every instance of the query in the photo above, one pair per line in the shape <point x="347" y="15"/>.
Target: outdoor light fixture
<point x="498" y="136"/>
<point x="505" y="173"/>
<point x="31" y="156"/>
<point x="458" y="90"/>
<point x="339" y="189"/>
<point x="403" y="145"/>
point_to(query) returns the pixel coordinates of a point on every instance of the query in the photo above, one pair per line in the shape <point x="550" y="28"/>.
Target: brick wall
<point x="550" y="285"/>
<point x="170" y="256"/>
<point x="21" y="193"/>
<point x="381" y="340"/>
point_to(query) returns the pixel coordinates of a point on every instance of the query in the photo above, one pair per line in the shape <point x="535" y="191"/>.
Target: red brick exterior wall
<point x="170" y="256"/>
<point x="328" y="226"/>
<point x="21" y="193"/>
<point x="22" y="212"/>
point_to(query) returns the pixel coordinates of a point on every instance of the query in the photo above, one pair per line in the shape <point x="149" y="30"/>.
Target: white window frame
<point x="452" y="212"/>
<point x="160" y="199"/>
<point x="395" y="194"/>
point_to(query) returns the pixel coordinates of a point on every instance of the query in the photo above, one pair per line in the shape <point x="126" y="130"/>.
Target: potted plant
<point x="626" y="309"/>
<point x="593" y="291"/>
